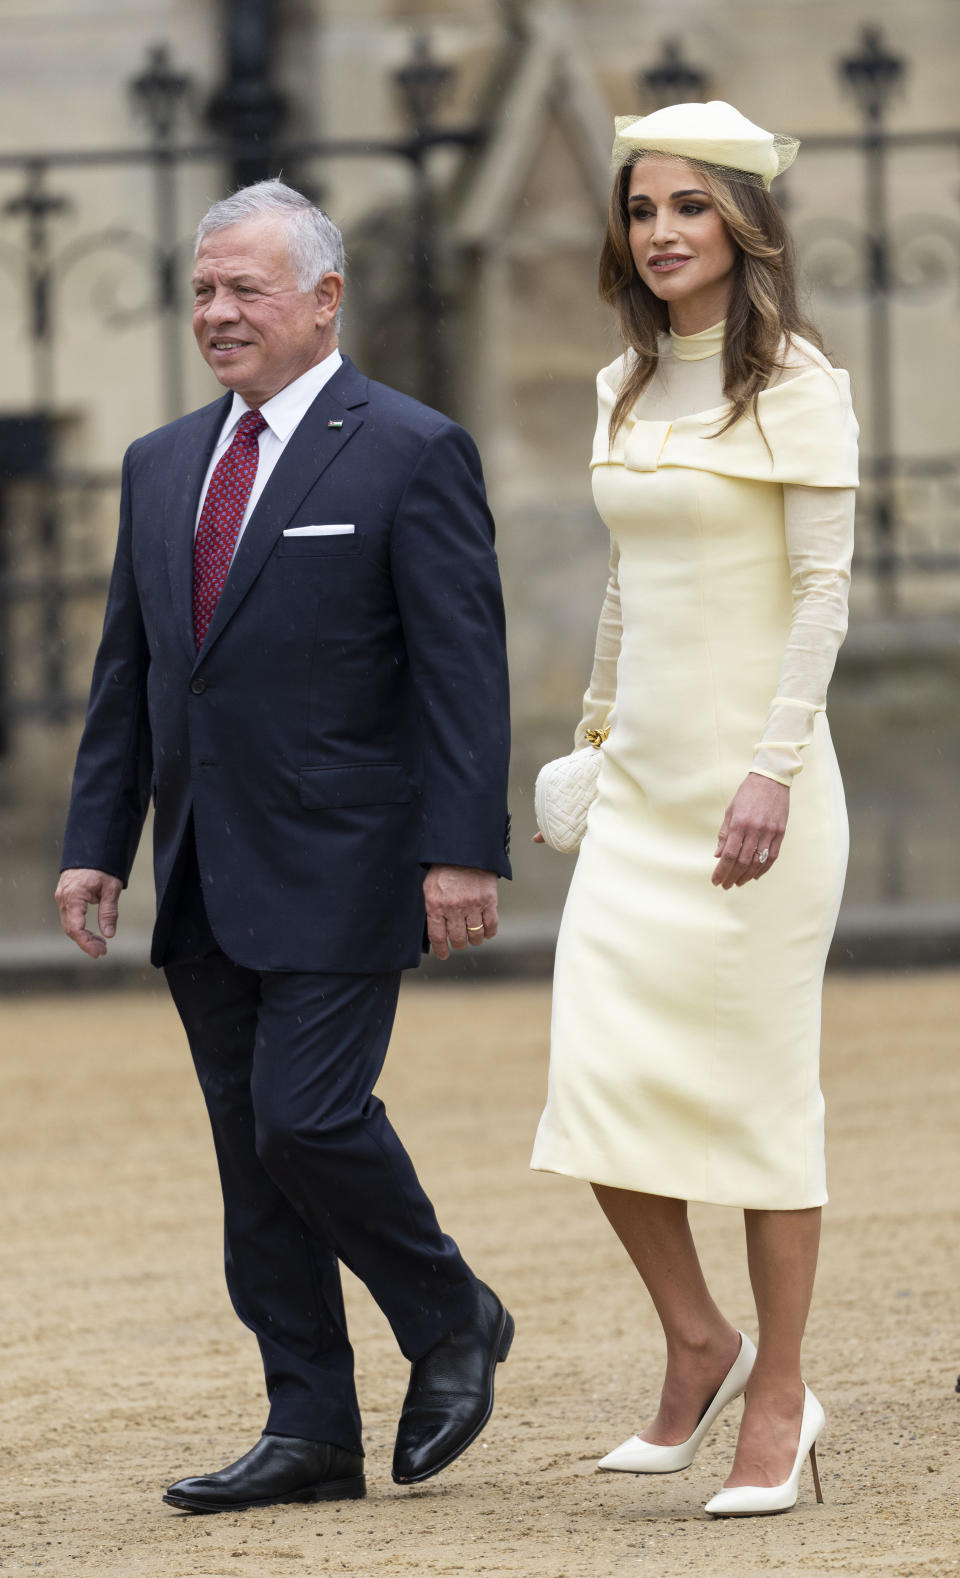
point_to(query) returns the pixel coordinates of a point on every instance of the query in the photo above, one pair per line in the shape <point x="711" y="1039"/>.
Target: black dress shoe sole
<point x="353" y="1489"/>
<point x="504" y="1340"/>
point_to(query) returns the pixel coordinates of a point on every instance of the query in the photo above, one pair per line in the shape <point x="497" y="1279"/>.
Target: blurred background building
<point x="463" y="147"/>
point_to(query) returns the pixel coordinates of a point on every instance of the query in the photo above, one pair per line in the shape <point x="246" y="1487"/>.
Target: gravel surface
<point x="124" y="1367"/>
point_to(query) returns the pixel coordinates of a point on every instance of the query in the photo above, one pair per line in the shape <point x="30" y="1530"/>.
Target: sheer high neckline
<point x="697" y="347"/>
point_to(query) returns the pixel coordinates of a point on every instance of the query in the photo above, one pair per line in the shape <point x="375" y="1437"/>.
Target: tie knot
<point x="251" y="425"/>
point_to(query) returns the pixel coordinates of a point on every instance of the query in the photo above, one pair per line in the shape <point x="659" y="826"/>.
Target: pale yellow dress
<point x="686" y="1020"/>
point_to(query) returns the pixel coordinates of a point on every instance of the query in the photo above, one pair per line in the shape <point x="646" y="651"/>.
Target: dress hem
<point x="669" y="1194"/>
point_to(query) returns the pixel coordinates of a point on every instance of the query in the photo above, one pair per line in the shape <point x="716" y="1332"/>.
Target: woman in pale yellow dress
<point x="686" y="1025"/>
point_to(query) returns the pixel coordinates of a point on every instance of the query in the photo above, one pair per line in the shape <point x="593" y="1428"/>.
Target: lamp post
<point x="248" y="109"/>
<point x="38" y="207"/>
<point x="423" y="83"/>
<point x="872" y="76"/>
<point x="158" y="94"/>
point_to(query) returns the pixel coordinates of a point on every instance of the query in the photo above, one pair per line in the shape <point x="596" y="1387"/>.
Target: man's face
<point x="254" y="325"/>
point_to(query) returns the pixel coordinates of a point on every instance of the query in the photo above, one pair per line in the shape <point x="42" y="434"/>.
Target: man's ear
<point x="329" y="294"/>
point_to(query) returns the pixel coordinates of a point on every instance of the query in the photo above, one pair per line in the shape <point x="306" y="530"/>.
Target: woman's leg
<point x="782" y="1255"/>
<point x="701" y="1343"/>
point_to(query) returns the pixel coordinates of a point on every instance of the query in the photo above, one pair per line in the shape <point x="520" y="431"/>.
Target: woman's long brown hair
<point x="763" y="312"/>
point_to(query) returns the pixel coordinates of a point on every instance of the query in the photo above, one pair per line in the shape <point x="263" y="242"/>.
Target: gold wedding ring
<point x="476" y="928"/>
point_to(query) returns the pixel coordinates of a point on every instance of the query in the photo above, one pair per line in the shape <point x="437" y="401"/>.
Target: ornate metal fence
<point x="124" y="276"/>
<point x="870" y="257"/>
<point x="876" y="260"/>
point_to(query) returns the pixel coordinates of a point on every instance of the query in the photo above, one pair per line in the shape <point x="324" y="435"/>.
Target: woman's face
<point x="681" y="247"/>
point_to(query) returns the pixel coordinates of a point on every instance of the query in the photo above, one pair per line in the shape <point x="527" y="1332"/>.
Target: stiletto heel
<point x="743" y="1501"/>
<point x="816" y="1473"/>
<point x="645" y="1457"/>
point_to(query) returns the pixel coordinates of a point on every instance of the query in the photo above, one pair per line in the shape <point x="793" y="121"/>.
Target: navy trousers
<point x="312" y="1171"/>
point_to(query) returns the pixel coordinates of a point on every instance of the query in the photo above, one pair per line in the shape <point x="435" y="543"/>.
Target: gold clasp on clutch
<point x="596" y="737"/>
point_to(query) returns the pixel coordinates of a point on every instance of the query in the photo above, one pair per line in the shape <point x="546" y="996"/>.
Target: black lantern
<point x="672" y="80"/>
<point x="159" y="92"/>
<point x="873" y="75"/>
<point x="423" y="84"/>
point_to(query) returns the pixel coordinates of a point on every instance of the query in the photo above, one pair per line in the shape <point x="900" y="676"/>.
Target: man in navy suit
<point x="303" y="662"/>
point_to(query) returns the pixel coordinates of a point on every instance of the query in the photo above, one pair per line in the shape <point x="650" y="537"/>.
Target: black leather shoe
<point x="450" y="1396"/>
<point x="279" y="1468"/>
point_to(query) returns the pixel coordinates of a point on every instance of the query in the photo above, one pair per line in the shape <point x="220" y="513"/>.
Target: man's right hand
<point x="76" y="889"/>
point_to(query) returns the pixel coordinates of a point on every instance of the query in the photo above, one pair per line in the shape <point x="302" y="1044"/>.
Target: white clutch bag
<point x="564" y="792"/>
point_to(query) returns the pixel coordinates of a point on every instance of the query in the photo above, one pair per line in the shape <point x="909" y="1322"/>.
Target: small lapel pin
<point x="332" y="423"/>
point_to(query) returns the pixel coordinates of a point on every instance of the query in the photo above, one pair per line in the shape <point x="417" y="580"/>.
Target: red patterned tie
<point x="221" y="518"/>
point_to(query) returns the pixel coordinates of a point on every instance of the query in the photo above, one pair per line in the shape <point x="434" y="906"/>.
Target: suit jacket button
<point x="198" y="685"/>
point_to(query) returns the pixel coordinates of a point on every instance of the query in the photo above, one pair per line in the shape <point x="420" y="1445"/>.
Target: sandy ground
<point x="123" y="1366"/>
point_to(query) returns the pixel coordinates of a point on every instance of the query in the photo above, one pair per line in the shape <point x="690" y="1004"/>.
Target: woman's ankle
<point x="774" y="1390"/>
<point x="703" y="1347"/>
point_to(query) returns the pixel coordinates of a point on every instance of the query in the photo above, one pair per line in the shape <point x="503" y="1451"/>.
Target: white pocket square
<point x="319" y="531"/>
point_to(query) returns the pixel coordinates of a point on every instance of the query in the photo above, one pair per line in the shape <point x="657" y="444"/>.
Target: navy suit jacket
<point x="345" y="723"/>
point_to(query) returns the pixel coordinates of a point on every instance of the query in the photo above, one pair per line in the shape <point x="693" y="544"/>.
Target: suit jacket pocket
<point x="372" y="783"/>
<point x="323" y="547"/>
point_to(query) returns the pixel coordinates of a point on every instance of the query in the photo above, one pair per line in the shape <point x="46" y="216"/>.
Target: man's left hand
<point x="461" y="907"/>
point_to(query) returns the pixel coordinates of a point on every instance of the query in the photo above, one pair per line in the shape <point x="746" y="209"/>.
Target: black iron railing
<point x="868" y="258"/>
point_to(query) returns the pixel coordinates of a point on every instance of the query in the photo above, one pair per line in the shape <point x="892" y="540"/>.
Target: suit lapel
<point x="309" y="451"/>
<point x="191" y="456"/>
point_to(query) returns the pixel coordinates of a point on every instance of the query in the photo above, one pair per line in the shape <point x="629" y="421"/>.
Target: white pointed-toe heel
<point x="744" y="1501"/>
<point x="645" y="1457"/>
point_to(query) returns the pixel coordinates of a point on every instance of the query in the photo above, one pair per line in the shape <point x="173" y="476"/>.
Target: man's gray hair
<point x="314" y="243"/>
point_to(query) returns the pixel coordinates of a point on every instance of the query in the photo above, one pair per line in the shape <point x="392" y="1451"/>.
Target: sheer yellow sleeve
<point x="601" y="693"/>
<point x="819" y="533"/>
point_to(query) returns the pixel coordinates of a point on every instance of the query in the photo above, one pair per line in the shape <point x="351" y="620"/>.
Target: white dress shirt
<point x="283" y="413"/>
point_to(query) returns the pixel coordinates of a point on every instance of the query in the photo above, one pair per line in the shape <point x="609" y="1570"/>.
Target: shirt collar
<point x="284" y="410"/>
